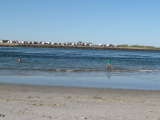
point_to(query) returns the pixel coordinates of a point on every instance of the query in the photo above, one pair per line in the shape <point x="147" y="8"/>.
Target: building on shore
<point x="55" y="44"/>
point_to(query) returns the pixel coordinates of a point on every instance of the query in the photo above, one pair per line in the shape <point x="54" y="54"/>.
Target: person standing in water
<point x="109" y="65"/>
<point x="19" y="60"/>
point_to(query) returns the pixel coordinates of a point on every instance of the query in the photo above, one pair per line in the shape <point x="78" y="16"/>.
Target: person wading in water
<point x="109" y="65"/>
<point x="19" y="60"/>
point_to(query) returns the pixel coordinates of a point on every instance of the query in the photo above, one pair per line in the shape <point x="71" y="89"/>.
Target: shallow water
<point x="83" y="68"/>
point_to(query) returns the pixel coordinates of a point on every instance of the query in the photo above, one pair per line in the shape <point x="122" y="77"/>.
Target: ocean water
<point x="82" y="68"/>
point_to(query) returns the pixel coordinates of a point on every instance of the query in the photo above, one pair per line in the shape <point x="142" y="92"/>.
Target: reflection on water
<point x="109" y="74"/>
<point x="124" y="80"/>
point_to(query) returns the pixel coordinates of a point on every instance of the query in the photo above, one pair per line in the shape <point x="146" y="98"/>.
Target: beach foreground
<point x="24" y="102"/>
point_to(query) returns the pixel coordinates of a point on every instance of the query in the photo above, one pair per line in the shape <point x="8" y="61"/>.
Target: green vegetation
<point x="125" y="46"/>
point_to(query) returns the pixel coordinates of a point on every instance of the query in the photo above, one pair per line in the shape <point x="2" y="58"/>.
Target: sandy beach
<point x="26" y="102"/>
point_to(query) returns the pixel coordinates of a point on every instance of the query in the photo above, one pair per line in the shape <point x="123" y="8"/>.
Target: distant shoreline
<point x="78" y="47"/>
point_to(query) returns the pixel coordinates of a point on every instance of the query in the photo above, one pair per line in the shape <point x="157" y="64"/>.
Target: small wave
<point x="71" y="70"/>
<point x="137" y="70"/>
<point x="79" y="70"/>
<point x="54" y="70"/>
<point x="149" y="70"/>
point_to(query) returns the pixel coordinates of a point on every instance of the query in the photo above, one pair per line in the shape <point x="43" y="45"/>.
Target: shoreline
<point x="79" y="47"/>
<point x="39" y="86"/>
<point x="21" y="102"/>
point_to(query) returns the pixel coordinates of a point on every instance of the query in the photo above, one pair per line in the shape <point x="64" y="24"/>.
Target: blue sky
<point x="97" y="21"/>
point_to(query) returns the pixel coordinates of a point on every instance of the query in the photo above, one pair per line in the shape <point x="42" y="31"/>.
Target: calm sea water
<point x="84" y="68"/>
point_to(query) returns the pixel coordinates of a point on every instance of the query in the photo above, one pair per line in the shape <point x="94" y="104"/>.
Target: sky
<point x="97" y="21"/>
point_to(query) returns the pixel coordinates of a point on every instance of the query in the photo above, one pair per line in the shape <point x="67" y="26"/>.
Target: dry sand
<point x="22" y="102"/>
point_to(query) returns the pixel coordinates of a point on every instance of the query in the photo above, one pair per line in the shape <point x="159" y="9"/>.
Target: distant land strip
<point x="118" y="47"/>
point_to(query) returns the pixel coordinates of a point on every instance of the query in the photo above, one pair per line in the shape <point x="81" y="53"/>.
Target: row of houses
<point x="80" y="43"/>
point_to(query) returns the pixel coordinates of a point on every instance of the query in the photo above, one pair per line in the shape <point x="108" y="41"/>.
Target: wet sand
<point x="26" y="102"/>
